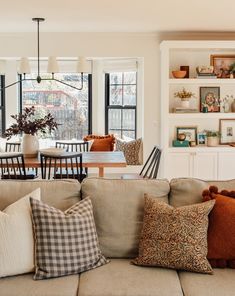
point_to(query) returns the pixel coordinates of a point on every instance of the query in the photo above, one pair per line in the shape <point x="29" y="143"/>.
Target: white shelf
<point x="220" y="148"/>
<point x="200" y="81"/>
<point x="201" y="115"/>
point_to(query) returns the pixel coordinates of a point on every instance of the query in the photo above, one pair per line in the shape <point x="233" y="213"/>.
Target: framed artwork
<point x="189" y="131"/>
<point x="209" y="97"/>
<point x="201" y="138"/>
<point x="227" y="131"/>
<point x="222" y="65"/>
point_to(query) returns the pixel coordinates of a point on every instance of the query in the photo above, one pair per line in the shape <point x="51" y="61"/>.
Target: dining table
<point x="100" y="160"/>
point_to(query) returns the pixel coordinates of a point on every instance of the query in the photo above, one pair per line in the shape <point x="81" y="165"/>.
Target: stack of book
<point x="203" y="73"/>
<point x="185" y="110"/>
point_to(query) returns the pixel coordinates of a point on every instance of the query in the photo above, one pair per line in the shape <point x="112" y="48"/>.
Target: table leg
<point x="101" y="172"/>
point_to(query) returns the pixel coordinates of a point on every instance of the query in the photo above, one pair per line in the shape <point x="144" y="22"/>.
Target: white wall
<point x="140" y="45"/>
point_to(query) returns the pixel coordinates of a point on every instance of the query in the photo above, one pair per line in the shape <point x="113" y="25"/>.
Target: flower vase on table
<point x="30" y="145"/>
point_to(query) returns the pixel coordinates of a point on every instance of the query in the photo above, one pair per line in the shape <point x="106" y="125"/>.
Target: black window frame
<point x="108" y="106"/>
<point x="89" y="100"/>
<point x="3" y="103"/>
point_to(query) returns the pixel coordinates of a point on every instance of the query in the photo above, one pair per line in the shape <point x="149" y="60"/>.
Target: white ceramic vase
<point x="30" y="145"/>
<point x="212" y="141"/>
<point x="184" y="104"/>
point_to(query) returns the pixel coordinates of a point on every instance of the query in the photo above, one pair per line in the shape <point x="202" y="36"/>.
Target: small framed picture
<point x="189" y="131"/>
<point x="209" y="97"/>
<point x="227" y="131"/>
<point x="223" y="65"/>
<point x="201" y="138"/>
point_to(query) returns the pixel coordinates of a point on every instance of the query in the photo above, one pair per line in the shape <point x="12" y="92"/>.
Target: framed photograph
<point x="189" y="131"/>
<point x="227" y="131"/>
<point x="209" y="97"/>
<point x="201" y="138"/>
<point x="222" y="65"/>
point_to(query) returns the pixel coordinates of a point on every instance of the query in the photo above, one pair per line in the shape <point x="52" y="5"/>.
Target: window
<point x="120" y="103"/>
<point x="70" y="107"/>
<point x="2" y="105"/>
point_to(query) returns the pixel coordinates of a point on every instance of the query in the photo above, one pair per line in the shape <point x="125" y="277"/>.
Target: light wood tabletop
<point x="98" y="160"/>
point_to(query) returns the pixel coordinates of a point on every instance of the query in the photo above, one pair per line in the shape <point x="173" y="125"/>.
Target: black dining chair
<point x="13" y="167"/>
<point x="65" y="166"/>
<point x="13" y="147"/>
<point x="150" y="168"/>
<point x="74" y="147"/>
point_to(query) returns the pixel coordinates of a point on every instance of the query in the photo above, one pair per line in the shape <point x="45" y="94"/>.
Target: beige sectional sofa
<point x="118" y="210"/>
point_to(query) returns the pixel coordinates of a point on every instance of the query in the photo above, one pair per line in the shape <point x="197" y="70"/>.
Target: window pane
<point x="129" y="78"/>
<point x="116" y="78"/>
<point x="114" y="119"/>
<point x="116" y="133"/>
<point x="68" y="105"/>
<point x="129" y="95"/>
<point x="1" y="127"/>
<point x="128" y="121"/>
<point x="129" y="134"/>
<point x="115" y="95"/>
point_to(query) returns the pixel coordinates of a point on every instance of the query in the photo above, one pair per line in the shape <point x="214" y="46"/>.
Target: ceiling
<point x="117" y="16"/>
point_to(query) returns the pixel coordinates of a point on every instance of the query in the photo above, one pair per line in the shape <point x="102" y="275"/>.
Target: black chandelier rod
<point x="39" y="79"/>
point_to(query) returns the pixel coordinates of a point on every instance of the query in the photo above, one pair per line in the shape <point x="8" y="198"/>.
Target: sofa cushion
<point x="175" y="237"/>
<point x="221" y="231"/>
<point x="66" y="242"/>
<point x="24" y="285"/>
<point x="220" y="283"/>
<point x="118" y="211"/>
<point x="60" y="194"/>
<point x="187" y="191"/>
<point x="120" y="278"/>
<point x="16" y="237"/>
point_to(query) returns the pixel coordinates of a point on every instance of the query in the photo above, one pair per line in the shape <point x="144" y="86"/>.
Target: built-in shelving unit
<point x="200" y="161"/>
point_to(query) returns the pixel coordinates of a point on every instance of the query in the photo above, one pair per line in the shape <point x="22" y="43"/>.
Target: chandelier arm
<point x="9" y="85"/>
<point x="38" y="48"/>
<point x="77" y="88"/>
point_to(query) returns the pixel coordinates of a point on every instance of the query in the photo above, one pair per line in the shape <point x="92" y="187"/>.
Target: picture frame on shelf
<point x="189" y="131"/>
<point x="222" y="65"/>
<point x="210" y="98"/>
<point x="227" y="131"/>
<point x="201" y="139"/>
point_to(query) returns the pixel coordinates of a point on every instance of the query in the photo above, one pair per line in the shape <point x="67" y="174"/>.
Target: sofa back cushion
<point x="118" y="211"/>
<point x="60" y="194"/>
<point x="187" y="191"/>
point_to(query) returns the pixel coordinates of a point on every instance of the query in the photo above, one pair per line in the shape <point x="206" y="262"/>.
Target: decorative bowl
<point x="53" y="151"/>
<point x="181" y="137"/>
<point x="179" y="74"/>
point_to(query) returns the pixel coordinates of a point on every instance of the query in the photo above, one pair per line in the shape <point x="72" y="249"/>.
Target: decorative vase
<point x="233" y="106"/>
<point x="212" y="141"/>
<point x="184" y="104"/>
<point x="30" y="145"/>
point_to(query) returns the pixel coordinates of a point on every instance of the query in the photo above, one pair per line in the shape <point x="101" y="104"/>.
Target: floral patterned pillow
<point x="175" y="237"/>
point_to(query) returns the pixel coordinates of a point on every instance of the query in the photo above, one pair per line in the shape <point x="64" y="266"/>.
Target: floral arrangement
<point x="28" y="123"/>
<point x="212" y="133"/>
<point x="184" y="95"/>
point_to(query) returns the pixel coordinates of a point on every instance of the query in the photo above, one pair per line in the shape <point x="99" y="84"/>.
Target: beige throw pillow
<point x="16" y="237"/>
<point x="133" y="150"/>
<point x="175" y="237"/>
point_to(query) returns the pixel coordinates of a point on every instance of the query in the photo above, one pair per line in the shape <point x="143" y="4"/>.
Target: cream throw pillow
<point x="16" y="237"/>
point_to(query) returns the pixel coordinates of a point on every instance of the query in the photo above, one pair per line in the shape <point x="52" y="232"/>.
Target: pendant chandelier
<point x="83" y="66"/>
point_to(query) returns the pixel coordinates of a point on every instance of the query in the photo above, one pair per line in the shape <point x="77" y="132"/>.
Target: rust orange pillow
<point x="221" y="230"/>
<point x="101" y="143"/>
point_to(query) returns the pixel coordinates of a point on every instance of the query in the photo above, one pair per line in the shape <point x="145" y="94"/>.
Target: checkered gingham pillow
<point x="66" y="242"/>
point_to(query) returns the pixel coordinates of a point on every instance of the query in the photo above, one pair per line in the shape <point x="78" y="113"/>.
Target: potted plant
<point x="212" y="138"/>
<point x="184" y="96"/>
<point x="28" y="124"/>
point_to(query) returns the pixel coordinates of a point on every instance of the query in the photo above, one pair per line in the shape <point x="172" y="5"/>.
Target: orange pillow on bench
<point x="101" y="143"/>
<point x="221" y="231"/>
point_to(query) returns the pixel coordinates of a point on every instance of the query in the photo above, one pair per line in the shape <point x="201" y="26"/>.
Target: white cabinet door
<point x="178" y="165"/>
<point x="205" y="165"/>
<point x="226" y="165"/>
